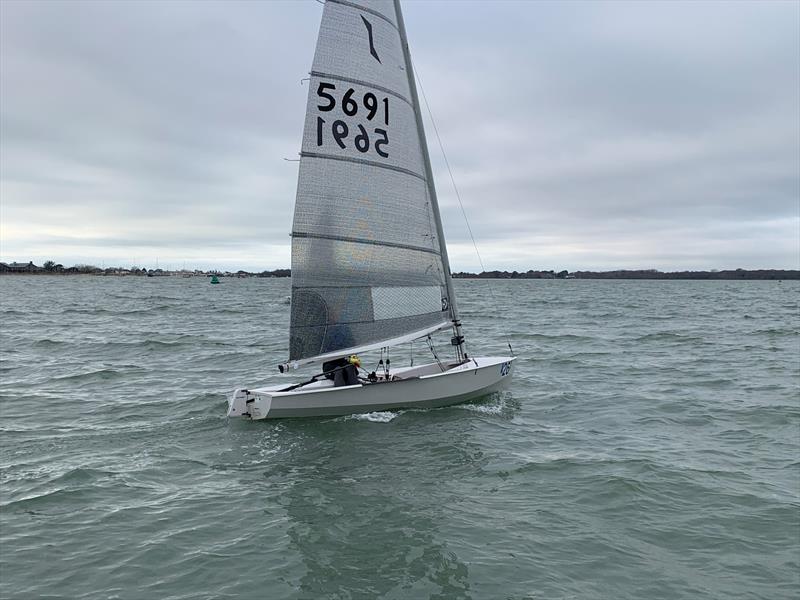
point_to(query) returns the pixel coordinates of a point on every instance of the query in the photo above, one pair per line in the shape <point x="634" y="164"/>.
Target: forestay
<point x="367" y="262"/>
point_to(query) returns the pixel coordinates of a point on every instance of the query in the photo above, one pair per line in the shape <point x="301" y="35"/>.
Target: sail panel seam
<point x="341" y="238"/>
<point x="361" y="82"/>
<point x="340" y="286"/>
<point x="362" y="161"/>
<point x="371" y="11"/>
<point x="337" y="323"/>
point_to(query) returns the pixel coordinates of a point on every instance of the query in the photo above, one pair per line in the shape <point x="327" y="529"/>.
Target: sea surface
<point x="648" y="447"/>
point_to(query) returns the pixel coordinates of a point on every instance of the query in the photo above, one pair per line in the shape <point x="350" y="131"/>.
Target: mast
<point x="458" y="340"/>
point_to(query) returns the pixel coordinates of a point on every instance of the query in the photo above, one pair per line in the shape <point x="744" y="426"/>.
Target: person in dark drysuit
<point x="343" y="371"/>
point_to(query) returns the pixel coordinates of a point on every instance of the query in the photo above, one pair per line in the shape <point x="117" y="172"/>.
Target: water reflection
<point x="361" y="533"/>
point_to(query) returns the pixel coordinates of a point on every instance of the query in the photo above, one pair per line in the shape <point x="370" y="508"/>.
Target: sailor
<point x="343" y="371"/>
<point x="350" y="371"/>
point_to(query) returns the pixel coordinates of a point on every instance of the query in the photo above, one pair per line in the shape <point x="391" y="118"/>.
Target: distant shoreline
<point x="727" y="275"/>
<point x="51" y="268"/>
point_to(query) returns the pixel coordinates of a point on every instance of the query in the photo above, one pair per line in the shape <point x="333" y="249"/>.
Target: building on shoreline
<point x="17" y="267"/>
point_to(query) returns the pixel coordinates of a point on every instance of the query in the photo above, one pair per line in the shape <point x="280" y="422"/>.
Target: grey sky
<point x="582" y="135"/>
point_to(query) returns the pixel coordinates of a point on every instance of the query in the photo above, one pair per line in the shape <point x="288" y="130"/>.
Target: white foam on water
<point x="375" y="417"/>
<point x="495" y="408"/>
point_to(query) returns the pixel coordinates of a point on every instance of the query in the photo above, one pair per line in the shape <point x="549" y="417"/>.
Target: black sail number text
<point x="350" y="105"/>
<point x="347" y="133"/>
<point x="362" y="140"/>
<point x="323" y="94"/>
<point x="381" y="142"/>
<point x="340" y="131"/>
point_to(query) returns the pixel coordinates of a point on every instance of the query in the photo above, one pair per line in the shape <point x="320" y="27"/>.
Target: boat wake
<point x="487" y="406"/>
<point x="383" y="416"/>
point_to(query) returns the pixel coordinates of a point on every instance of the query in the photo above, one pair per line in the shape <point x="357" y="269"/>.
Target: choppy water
<point x="648" y="448"/>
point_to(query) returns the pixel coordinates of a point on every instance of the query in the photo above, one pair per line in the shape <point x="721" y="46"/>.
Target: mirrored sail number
<point x="340" y="130"/>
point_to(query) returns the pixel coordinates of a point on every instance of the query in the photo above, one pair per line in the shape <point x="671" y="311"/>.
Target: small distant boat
<point x="369" y="261"/>
<point x="214" y="279"/>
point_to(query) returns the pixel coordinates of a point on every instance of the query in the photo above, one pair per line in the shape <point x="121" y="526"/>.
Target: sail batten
<point x="369" y="265"/>
<point x="362" y="161"/>
<point x="341" y="238"/>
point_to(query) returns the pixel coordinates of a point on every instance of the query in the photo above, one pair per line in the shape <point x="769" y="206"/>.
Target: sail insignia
<point x="372" y="51"/>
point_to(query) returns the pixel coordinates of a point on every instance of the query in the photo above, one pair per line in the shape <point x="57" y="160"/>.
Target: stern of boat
<point x="250" y="405"/>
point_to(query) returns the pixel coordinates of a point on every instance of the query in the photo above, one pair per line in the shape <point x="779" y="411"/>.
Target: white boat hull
<point x="426" y="386"/>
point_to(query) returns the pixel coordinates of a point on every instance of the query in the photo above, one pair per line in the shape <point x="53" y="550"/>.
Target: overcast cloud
<point x="582" y="135"/>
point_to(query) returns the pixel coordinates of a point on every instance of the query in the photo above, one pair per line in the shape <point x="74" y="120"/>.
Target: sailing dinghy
<point x="369" y="260"/>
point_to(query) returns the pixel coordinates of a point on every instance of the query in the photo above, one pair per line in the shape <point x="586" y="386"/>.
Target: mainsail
<point x="369" y="265"/>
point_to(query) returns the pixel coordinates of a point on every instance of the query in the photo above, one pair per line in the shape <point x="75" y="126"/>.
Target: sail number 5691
<point x="340" y="130"/>
<point x="349" y="105"/>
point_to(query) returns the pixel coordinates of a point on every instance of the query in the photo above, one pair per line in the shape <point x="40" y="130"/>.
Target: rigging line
<point x="380" y="363"/>
<point x="433" y="351"/>
<point x="458" y="195"/>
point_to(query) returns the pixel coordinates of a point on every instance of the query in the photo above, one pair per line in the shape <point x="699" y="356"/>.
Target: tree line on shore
<point x="51" y="267"/>
<point x="729" y="274"/>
